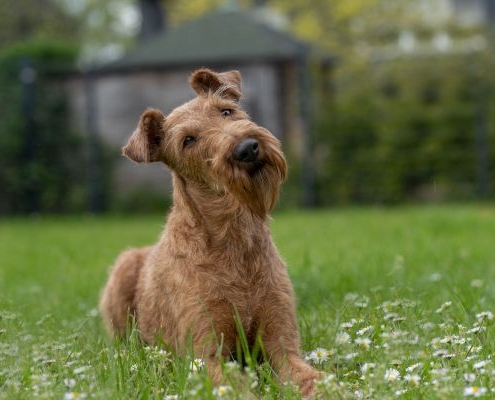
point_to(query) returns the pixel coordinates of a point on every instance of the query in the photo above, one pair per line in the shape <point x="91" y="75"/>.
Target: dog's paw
<point x="307" y="384"/>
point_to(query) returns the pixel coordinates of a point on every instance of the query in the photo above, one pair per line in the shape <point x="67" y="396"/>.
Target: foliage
<point x="41" y="158"/>
<point x="23" y="20"/>
<point x="407" y="110"/>
<point x="407" y="130"/>
<point x="106" y="27"/>
<point x="393" y="306"/>
<point x="140" y="200"/>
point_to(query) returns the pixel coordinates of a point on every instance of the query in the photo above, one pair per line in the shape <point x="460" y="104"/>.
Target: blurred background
<point x="375" y="101"/>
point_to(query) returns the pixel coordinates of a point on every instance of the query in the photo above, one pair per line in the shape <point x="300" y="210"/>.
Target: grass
<point x="391" y="303"/>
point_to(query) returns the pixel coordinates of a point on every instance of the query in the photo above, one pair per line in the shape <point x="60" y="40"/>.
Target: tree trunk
<point x="152" y="19"/>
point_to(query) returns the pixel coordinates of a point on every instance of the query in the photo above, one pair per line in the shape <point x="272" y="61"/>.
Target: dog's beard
<point x="255" y="184"/>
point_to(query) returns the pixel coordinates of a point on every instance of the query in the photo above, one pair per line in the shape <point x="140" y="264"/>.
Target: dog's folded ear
<point x="226" y="84"/>
<point x="145" y="143"/>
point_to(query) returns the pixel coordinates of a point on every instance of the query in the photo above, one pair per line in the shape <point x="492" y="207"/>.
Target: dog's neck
<point x="221" y="216"/>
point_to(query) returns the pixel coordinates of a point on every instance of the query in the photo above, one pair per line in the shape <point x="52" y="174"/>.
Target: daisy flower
<point x="435" y="277"/>
<point x="443" y="307"/>
<point x="363" y="342"/>
<point x="319" y="355"/>
<point x="393" y="317"/>
<point x="481" y="364"/>
<point x="351" y="296"/>
<point x="414" y="366"/>
<point x="349" y="324"/>
<point x="196" y="365"/>
<point x="475" y="329"/>
<point x="391" y="375"/>
<point x="474" y="391"/>
<point x="413" y="379"/>
<point x="222" y="390"/>
<point x="69" y="382"/>
<point x="484" y="315"/>
<point x="362" y="331"/>
<point x="476" y="283"/>
<point x="351" y="356"/>
<point x="342" y="338"/>
<point x="367" y="367"/>
<point x="74" y="396"/>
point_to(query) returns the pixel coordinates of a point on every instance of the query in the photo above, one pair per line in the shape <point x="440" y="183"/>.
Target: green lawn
<point x="398" y="300"/>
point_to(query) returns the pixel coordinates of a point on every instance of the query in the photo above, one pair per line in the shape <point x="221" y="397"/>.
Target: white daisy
<point x="222" y="390"/>
<point x="74" y="396"/>
<point x="475" y="329"/>
<point x="391" y="375"/>
<point x="367" y="367"/>
<point x="81" y="370"/>
<point x="414" y="366"/>
<point x="413" y="379"/>
<point x="474" y="391"/>
<point x="319" y="355"/>
<point x="476" y="283"/>
<point x="69" y="382"/>
<point x="363" y="342"/>
<point x="443" y="307"/>
<point x="196" y="365"/>
<point x="481" y="364"/>
<point x="342" y="338"/>
<point x="362" y="331"/>
<point x="484" y="315"/>
<point x="348" y="325"/>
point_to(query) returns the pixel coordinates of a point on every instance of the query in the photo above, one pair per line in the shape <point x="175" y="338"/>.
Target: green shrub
<point x="141" y="200"/>
<point x="42" y="160"/>
<point x="405" y="131"/>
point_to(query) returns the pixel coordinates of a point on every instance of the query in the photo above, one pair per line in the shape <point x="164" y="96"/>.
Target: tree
<point x="408" y="117"/>
<point x="22" y="20"/>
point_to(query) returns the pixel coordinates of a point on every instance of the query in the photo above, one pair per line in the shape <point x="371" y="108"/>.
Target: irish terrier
<point x="216" y="261"/>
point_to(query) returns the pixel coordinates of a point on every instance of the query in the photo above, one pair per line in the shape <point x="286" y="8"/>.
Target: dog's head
<point x="210" y="142"/>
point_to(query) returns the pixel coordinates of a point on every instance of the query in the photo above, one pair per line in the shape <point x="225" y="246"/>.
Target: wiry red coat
<point x="215" y="259"/>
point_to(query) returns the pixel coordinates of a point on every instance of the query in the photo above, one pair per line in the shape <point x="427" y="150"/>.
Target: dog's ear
<point x="145" y="143"/>
<point x="226" y="84"/>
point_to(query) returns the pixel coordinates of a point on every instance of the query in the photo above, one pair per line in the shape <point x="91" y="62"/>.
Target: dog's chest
<point x="242" y="287"/>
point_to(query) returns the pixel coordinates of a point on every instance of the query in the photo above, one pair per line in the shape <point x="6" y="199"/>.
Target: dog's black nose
<point x="246" y="151"/>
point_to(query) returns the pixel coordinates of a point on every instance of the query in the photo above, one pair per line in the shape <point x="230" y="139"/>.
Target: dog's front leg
<point x="281" y="342"/>
<point x="214" y="370"/>
<point x="292" y="368"/>
<point x="214" y="342"/>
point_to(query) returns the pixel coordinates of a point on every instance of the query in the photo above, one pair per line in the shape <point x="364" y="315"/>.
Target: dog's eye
<point x="188" y="140"/>
<point x="226" y="112"/>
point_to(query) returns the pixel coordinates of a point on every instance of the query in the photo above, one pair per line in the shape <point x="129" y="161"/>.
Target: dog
<point x="215" y="267"/>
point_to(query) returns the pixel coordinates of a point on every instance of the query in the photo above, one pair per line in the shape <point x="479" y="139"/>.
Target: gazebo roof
<point x="219" y="37"/>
